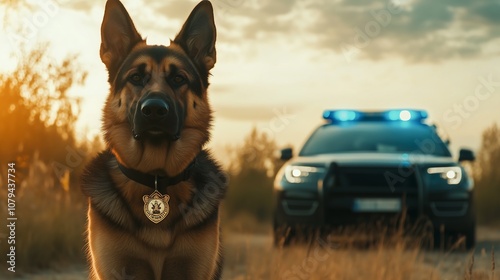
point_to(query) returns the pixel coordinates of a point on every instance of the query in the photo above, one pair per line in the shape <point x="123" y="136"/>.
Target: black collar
<point x="153" y="181"/>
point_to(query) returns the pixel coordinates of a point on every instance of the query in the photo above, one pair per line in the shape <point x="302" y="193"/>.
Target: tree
<point x="486" y="175"/>
<point x="37" y="120"/>
<point x="258" y="152"/>
<point x="36" y="111"/>
<point x="252" y="171"/>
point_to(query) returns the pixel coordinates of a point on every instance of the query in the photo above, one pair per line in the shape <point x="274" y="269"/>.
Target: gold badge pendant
<point x="156" y="206"/>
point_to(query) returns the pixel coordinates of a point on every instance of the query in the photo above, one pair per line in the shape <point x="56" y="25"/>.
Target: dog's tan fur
<point x="121" y="240"/>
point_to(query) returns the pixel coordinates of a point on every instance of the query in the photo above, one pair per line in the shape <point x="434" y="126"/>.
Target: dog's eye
<point x="136" y="79"/>
<point x="178" y="80"/>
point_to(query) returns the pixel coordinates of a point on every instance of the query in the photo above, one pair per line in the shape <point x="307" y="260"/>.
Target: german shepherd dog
<point x="154" y="193"/>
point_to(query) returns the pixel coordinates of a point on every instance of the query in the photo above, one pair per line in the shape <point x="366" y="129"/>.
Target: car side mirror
<point x="466" y="155"/>
<point x="286" y="154"/>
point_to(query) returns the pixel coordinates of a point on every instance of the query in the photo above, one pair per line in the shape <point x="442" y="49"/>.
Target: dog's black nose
<point x="154" y="109"/>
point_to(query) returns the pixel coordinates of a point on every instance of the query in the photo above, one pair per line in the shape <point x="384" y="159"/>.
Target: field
<point x="251" y="255"/>
<point x="50" y="238"/>
<point x="51" y="233"/>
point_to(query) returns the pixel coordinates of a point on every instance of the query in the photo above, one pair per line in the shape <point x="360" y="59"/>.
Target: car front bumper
<point x="324" y="204"/>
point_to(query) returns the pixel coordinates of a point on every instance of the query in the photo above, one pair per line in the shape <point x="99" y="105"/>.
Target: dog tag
<point x="156" y="206"/>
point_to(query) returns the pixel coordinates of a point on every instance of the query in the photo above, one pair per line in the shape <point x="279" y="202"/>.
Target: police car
<point x="361" y="166"/>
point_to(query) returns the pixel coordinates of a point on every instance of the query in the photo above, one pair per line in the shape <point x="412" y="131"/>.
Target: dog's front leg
<point x="110" y="259"/>
<point x="195" y="255"/>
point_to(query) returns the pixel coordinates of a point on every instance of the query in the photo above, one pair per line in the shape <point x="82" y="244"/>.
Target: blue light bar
<point x="389" y="115"/>
<point x="405" y="115"/>
<point x="341" y="115"/>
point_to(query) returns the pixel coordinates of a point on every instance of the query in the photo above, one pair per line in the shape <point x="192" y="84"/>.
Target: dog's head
<point x="158" y="94"/>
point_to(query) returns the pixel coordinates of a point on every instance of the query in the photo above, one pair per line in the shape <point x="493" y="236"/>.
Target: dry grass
<point x="251" y="255"/>
<point x="50" y="234"/>
<point x="51" y="220"/>
<point x="301" y="262"/>
<point x="340" y="256"/>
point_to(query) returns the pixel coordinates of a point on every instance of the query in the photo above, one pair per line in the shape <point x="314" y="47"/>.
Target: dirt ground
<point x="253" y="257"/>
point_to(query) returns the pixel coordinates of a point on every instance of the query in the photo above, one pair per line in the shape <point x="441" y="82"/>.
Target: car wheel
<point x="446" y="240"/>
<point x="470" y="236"/>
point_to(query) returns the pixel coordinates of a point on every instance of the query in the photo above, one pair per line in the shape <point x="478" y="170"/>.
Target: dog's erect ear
<point x="197" y="36"/>
<point x="118" y="36"/>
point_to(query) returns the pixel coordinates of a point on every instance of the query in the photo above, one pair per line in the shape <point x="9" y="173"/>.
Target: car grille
<point x="369" y="178"/>
<point x="352" y="184"/>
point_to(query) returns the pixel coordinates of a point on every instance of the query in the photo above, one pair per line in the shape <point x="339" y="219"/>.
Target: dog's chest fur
<point x="118" y="200"/>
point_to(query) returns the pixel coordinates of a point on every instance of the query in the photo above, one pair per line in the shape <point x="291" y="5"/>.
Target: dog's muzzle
<point x="157" y="116"/>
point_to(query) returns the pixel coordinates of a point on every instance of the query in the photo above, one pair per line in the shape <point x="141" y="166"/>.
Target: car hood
<point x="372" y="159"/>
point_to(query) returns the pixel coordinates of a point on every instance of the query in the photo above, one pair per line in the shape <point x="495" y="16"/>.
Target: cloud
<point x="422" y="30"/>
<point x="415" y="30"/>
<point x="174" y="9"/>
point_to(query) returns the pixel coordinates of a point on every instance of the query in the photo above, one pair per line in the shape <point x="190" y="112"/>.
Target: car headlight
<point x="299" y="174"/>
<point x="452" y="174"/>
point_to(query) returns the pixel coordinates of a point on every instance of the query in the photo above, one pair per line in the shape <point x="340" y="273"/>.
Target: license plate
<point x="377" y="205"/>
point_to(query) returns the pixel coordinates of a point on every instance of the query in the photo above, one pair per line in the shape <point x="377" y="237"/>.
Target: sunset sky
<point x="281" y="63"/>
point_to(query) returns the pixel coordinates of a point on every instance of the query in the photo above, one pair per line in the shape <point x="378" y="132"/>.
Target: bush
<point x="251" y="177"/>
<point x="38" y="118"/>
<point x="51" y="219"/>
<point x="487" y="177"/>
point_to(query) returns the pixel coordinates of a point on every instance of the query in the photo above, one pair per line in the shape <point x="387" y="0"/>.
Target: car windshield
<point x="381" y="137"/>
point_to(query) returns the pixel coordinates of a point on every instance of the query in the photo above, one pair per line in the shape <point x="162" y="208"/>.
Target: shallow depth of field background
<point x="48" y="95"/>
